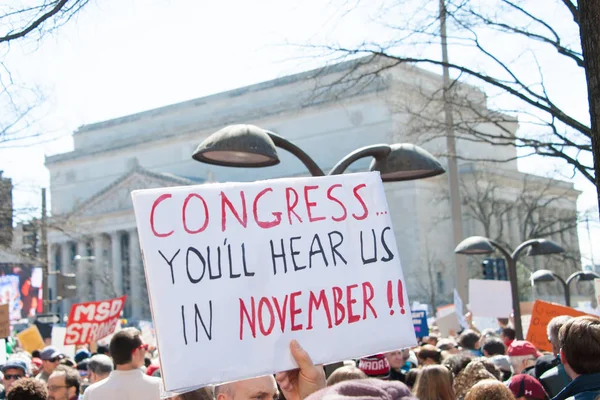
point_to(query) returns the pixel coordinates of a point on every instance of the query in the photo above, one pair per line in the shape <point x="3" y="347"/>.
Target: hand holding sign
<point x="299" y="383"/>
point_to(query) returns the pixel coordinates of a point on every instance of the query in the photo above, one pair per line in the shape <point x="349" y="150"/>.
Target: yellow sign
<point x="4" y="321"/>
<point x="31" y="339"/>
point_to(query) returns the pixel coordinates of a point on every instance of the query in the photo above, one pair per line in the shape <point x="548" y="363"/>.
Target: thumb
<point x="300" y="355"/>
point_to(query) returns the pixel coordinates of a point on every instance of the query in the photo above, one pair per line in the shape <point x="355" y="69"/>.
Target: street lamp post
<point x="248" y="146"/>
<point x="545" y="275"/>
<point x="481" y="245"/>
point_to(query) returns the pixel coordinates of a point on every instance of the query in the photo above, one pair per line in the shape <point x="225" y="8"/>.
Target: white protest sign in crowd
<point x="236" y="271"/>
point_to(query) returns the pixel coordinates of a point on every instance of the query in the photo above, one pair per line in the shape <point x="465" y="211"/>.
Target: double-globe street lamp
<point x="481" y="245"/>
<point x="248" y="146"/>
<point x="545" y="275"/>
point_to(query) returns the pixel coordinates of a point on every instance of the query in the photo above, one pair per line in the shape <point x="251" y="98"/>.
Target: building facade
<point x="91" y="185"/>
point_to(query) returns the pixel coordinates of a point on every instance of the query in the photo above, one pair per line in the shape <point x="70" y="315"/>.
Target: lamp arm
<point x="376" y="150"/>
<point x="573" y="276"/>
<point x="502" y="250"/>
<point x="522" y="247"/>
<point x="300" y="154"/>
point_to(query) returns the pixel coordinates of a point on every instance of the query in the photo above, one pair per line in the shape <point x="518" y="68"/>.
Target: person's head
<point x="81" y="355"/>
<point x="457" y="363"/>
<point x="205" y="393"/>
<point x="263" y="388"/>
<point x="128" y="349"/>
<point x="103" y="349"/>
<point x="411" y="378"/>
<point x="27" y="389"/>
<point x="432" y="339"/>
<point x="507" y="336"/>
<point x="503" y="363"/>
<point x="36" y="365"/>
<point x="64" y="383"/>
<point x="50" y="359"/>
<point x="395" y="359"/>
<point x="474" y="372"/>
<point x="429" y="355"/>
<point x="345" y="373"/>
<point x="522" y="354"/>
<point x="579" y="341"/>
<point x="492" y="346"/>
<point x="490" y="367"/>
<point x="489" y="390"/>
<point x="99" y="367"/>
<point x="434" y="383"/>
<point x="526" y="387"/>
<point x="553" y="328"/>
<point x="448" y="345"/>
<point x="364" y="389"/>
<point x="12" y="371"/>
<point x="375" y="366"/>
<point x="469" y="340"/>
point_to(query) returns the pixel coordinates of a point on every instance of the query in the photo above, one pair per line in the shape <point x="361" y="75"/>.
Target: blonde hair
<point x="489" y="389"/>
<point x="345" y="373"/>
<point x="434" y="383"/>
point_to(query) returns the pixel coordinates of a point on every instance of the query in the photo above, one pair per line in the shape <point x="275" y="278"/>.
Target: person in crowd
<point x="526" y="387"/>
<point x="493" y="346"/>
<point x="263" y="388"/>
<point x="205" y="393"/>
<point x="103" y="349"/>
<point x="99" y="367"/>
<point x="363" y="389"/>
<point x="81" y="355"/>
<point x="555" y="378"/>
<point x="469" y="341"/>
<point x="152" y="369"/>
<point x="12" y="371"/>
<point x="375" y="366"/>
<point x="411" y="377"/>
<point x="507" y="336"/>
<point x="474" y="372"/>
<point x="64" y="384"/>
<point x="523" y="355"/>
<point x="429" y="355"/>
<point x="345" y="373"/>
<point x="503" y="363"/>
<point x="127" y="381"/>
<point x="448" y="345"/>
<point x="397" y="361"/>
<point x="457" y="363"/>
<point x="579" y="343"/>
<point x="490" y="367"/>
<point x="434" y="383"/>
<point x="36" y="366"/>
<point x="489" y="389"/>
<point x="50" y="357"/>
<point x="300" y="383"/>
<point x="28" y="389"/>
<point x="431" y="340"/>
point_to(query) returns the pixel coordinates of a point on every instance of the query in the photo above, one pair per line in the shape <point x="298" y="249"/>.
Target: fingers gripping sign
<point x="300" y="383"/>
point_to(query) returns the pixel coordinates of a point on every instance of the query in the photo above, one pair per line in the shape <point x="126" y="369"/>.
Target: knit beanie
<point x="364" y="389"/>
<point x="376" y="366"/>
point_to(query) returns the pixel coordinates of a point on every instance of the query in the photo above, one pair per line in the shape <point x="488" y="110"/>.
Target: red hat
<point x="376" y="366"/>
<point x="151" y="369"/>
<point x="522" y="348"/>
<point x="526" y="385"/>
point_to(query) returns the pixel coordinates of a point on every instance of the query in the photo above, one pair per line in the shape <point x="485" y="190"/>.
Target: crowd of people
<point x="473" y="365"/>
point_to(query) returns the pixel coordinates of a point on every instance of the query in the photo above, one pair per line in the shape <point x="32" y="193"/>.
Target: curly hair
<point x="27" y="389"/>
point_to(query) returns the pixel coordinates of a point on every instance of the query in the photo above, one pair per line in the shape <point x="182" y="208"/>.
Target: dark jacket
<point x="555" y="380"/>
<point x="584" y="387"/>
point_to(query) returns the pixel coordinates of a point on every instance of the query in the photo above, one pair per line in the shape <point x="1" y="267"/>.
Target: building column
<point x="117" y="262"/>
<point x="66" y="258"/>
<point x="98" y="272"/>
<point x="55" y="250"/>
<point x="136" y="278"/>
<point x="82" y="272"/>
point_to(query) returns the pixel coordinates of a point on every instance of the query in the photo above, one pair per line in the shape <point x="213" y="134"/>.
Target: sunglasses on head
<point x="10" y="377"/>
<point x="144" y="346"/>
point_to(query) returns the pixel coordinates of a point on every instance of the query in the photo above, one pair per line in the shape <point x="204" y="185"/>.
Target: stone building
<point x="91" y="185"/>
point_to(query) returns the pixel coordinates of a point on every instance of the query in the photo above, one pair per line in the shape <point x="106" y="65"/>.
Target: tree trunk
<point x="589" y="26"/>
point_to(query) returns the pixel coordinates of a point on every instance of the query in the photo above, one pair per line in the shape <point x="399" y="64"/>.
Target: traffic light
<point x="66" y="286"/>
<point x="488" y="268"/>
<point x="501" y="269"/>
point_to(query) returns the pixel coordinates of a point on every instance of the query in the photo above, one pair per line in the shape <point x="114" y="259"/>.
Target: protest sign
<point x="420" y="323"/>
<point x="3" y="355"/>
<point x="543" y="312"/>
<point x="448" y="324"/>
<point x="58" y="341"/>
<point x="93" y="320"/>
<point x="458" y="304"/>
<point x="238" y="270"/>
<point x="4" y="321"/>
<point x="489" y="298"/>
<point x="31" y="339"/>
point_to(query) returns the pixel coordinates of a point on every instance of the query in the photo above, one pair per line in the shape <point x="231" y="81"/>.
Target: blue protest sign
<point x="419" y="318"/>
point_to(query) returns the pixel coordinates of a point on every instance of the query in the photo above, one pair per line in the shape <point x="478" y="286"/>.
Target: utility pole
<point x="461" y="261"/>
<point x="44" y="253"/>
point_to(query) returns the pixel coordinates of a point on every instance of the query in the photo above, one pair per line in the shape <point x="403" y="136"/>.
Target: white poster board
<point x="488" y="298"/>
<point x="3" y="355"/>
<point x="458" y="304"/>
<point x="58" y="341"/>
<point x="311" y="259"/>
<point x="597" y="288"/>
<point x="448" y="324"/>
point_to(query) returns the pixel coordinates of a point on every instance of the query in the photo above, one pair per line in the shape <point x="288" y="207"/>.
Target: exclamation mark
<point x="400" y="296"/>
<point x="390" y="297"/>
